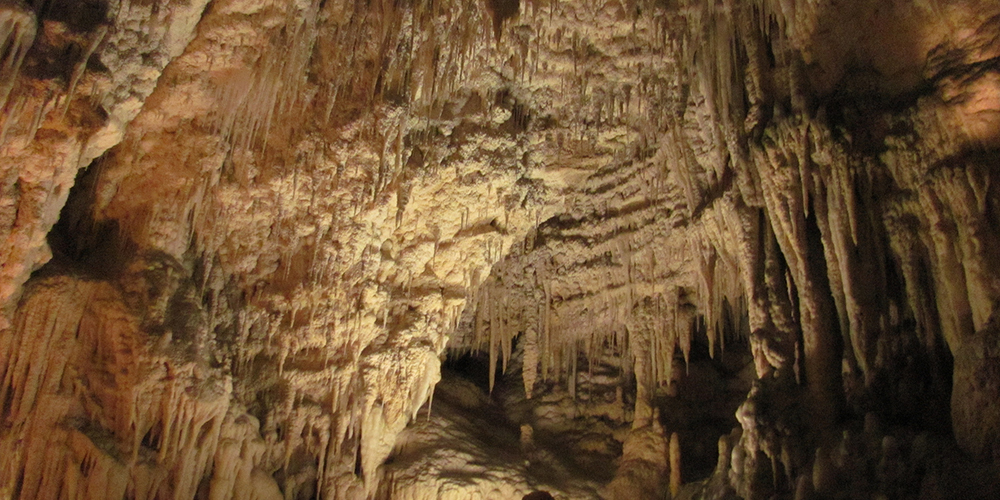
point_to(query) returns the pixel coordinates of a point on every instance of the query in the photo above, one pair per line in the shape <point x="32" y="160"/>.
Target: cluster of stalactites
<point x="640" y="325"/>
<point x="93" y="411"/>
<point x="269" y="88"/>
<point x="17" y="33"/>
<point x="329" y="57"/>
<point x="24" y="111"/>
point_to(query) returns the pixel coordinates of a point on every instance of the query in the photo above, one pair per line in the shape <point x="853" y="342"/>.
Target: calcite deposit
<point x="620" y="249"/>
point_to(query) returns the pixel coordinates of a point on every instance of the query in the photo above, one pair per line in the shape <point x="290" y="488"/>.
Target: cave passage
<point x="494" y="249"/>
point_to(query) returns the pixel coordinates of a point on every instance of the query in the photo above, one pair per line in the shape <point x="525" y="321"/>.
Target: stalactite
<point x="546" y="341"/>
<point x="253" y="98"/>
<point x="17" y="34"/>
<point x="506" y="333"/>
<point x="81" y="66"/>
<point x="683" y="324"/>
<point x="493" y="334"/>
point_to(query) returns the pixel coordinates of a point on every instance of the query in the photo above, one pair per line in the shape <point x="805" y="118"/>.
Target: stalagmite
<point x="530" y="367"/>
<point x="675" y="464"/>
<point x="803" y="488"/>
<point x="824" y="475"/>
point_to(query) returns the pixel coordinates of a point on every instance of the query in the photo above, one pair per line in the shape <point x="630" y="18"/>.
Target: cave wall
<point x="240" y="235"/>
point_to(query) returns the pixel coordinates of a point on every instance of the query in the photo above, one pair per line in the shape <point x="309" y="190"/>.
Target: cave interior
<point x="499" y="249"/>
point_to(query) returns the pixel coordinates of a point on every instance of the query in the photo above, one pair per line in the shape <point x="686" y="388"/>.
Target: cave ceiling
<point x="242" y="240"/>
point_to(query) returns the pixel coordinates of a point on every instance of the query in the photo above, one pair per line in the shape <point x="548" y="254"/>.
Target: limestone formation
<point x="349" y="249"/>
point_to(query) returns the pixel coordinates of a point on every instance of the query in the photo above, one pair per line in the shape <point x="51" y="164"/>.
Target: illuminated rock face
<point x="240" y="237"/>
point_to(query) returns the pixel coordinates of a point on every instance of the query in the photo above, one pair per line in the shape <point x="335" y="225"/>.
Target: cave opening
<point x="580" y="432"/>
<point x="701" y="403"/>
<point x="473" y="366"/>
<point x="80" y="243"/>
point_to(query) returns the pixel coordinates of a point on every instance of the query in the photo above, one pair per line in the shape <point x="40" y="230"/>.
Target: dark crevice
<point x="94" y="248"/>
<point x="501" y="10"/>
<point x="473" y="366"/>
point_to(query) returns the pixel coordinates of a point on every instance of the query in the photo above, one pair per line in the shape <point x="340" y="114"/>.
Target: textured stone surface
<point x="269" y="221"/>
